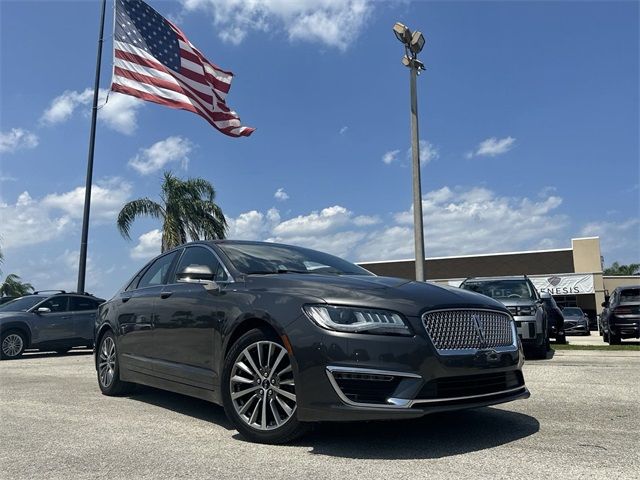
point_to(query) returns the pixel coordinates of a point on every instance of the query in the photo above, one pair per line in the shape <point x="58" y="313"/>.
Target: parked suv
<point x="523" y="301"/>
<point x="621" y="315"/>
<point x="555" y="319"/>
<point x="47" y="322"/>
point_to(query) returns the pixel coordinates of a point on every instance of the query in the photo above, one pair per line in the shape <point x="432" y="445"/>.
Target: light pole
<point x="413" y="44"/>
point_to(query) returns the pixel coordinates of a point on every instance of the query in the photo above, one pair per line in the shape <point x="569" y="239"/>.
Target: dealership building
<point x="572" y="275"/>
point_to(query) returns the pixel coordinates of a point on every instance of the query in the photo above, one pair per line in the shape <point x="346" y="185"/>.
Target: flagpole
<point x="82" y="267"/>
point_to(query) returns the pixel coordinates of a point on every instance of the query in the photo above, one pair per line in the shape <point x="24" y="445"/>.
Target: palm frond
<point x="134" y="209"/>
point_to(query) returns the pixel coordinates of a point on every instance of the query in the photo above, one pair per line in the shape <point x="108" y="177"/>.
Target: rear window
<point x="630" y="295"/>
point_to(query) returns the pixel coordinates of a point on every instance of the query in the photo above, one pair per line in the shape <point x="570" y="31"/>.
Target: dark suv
<point x="47" y="322"/>
<point x="621" y="315"/>
<point x="555" y="319"/>
<point x="521" y="298"/>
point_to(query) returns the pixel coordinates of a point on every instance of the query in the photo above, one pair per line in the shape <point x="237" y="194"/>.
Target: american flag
<point x="153" y="60"/>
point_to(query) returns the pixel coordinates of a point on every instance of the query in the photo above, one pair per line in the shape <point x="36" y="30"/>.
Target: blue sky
<point x="528" y="117"/>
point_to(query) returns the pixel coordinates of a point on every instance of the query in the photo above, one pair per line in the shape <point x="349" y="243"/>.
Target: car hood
<point x="517" y="302"/>
<point x="410" y="298"/>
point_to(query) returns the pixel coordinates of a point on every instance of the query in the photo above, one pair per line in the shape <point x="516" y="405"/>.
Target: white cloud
<point x="457" y="221"/>
<point x="149" y="245"/>
<point x="336" y="23"/>
<point x="160" y="154"/>
<point x="119" y="113"/>
<point x="428" y="152"/>
<point x="391" y="156"/>
<point x="29" y="221"/>
<point x="343" y="130"/>
<point x="107" y="198"/>
<point x="493" y="146"/>
<point x="281" y="195"/>
<point x="619" y="241"/>
<point x="17" y="139"/>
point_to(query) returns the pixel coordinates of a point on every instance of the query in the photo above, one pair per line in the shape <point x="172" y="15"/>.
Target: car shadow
<point x="430" y="437"/>
<point x="193" y="407"/>
<point x="30" y="355"/>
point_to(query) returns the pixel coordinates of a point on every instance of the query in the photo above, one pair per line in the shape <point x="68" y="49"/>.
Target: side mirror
<point x="201" y="274"/>
<point x="605" y="304"/>
<point x="43" y="310"/>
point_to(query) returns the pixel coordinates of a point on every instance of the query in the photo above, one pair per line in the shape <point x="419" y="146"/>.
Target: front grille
<point x="471" y="385"/>
<point x="468" y="329"/>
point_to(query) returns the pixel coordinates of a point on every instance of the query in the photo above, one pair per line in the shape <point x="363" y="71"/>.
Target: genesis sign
<point x="567" y="284"/>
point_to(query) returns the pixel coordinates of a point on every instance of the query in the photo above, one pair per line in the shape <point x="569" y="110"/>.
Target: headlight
<point x="347" y="319"/>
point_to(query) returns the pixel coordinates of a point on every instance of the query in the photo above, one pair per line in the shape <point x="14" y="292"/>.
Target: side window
<point x="156" y="274"/>
<point x="79" y="304"/>
<point x="58" y="303"/>
<point x="202" y="256"/>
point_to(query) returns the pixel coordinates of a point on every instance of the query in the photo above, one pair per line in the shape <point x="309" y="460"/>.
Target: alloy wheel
<point x="107" y="362"/>
<point x="12" y="345"/>
<point x="262" y="386"/>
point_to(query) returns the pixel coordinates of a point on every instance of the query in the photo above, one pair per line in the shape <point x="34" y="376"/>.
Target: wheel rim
<point x="262" y="386"/>
<point x="107" y="362"/>
<point x="12" y="345"/>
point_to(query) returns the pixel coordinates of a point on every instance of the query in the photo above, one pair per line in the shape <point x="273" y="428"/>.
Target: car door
<point x="54" y="326"/>
<point x="135" y="314"/>
<point x="187" y="321"/>
<point x="83" y="310"/>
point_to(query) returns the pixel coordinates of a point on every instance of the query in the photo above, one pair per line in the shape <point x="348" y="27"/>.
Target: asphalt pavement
<point x="582" y="421"/>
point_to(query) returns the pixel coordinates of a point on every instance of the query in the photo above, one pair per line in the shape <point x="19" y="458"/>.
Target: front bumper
<point x="576" y="327"/>
<point x="348" y="377"/>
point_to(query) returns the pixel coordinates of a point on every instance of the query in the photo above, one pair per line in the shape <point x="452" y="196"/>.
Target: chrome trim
<point x="453" y="399"/>
<point x="400" y="403"/>
<point x="472" y="351"/>
<point x="392" y="403"/>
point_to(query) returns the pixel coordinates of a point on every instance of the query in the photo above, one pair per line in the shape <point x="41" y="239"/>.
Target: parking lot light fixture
<point x="413" y="44"/>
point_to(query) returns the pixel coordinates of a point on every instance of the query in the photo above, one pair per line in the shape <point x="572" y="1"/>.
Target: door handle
<point x="125" y="299"/>
<point x="165" y="294"/>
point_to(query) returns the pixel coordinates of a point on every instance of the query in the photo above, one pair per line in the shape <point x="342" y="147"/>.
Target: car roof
<point x="628" y="287"/>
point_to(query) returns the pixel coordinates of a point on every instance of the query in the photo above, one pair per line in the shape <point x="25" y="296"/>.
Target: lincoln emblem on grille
<point x="479" y="329"/>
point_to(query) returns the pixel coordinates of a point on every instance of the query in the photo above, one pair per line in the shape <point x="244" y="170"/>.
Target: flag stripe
<point x="154" y="61"/>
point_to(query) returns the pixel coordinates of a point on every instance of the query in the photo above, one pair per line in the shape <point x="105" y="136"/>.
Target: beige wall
<point x="588" y="259"/>
<point x="611" y="282"/>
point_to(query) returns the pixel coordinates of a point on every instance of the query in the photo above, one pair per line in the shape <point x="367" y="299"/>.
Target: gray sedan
<point x="575" y="321"/>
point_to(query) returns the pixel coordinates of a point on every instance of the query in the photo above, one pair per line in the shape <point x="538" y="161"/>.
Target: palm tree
<point x="187" y="210"/>
<point x="14" y="287"/>
<point x="617" y="269"/>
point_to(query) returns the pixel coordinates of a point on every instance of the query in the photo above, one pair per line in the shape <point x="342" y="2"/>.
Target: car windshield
<point x="573" y="312"/>
<point x="258" y="258"/>
<point x="501" y="289"/>
<point x="630" y="295"/>
<point x="21" y="304"/>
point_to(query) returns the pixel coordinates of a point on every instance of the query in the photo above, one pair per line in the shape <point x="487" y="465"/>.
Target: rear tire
<point x="259" y="364"/>
<point x="108" y="368"/>
<point x="12" y="344"/>
<point x="561" y="339"/>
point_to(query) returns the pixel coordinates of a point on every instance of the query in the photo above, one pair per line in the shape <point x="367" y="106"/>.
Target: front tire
<point x="12" y="344"/>
<point x="258" y="389"/>
<point x="614" y="339"/>
<point x="108" y="368"/>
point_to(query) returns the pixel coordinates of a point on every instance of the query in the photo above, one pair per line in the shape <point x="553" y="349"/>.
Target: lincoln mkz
<point x="284" y="336"/>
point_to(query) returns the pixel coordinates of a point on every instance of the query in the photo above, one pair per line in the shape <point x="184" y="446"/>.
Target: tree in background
<point x="14" y="287"/>
<point x="617" y="269"/>
<point x="187" y="210"/>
